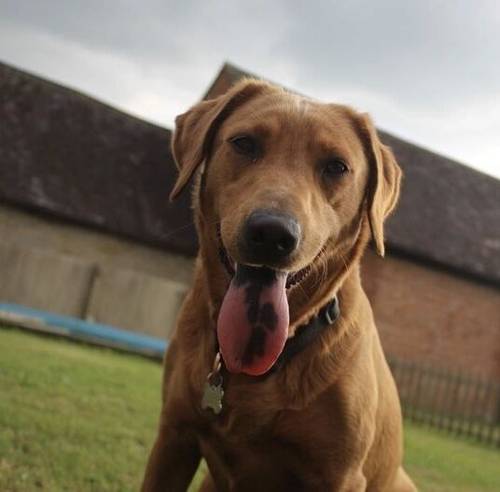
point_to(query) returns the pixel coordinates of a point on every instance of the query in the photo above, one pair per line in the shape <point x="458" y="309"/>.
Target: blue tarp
<point x="83" y="330"/>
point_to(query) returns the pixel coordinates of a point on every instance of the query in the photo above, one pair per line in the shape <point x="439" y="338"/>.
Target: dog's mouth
<point x="292" y="278"/>
<point x="252" y="326"/>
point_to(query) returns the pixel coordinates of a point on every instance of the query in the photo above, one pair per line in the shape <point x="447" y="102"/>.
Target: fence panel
<point x="451" y="401"/>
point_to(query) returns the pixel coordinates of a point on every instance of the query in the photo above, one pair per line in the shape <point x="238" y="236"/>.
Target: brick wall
<point x="428" y="315"/>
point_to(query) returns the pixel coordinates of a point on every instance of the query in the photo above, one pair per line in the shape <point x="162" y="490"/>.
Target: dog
<point x="275" y="374"/>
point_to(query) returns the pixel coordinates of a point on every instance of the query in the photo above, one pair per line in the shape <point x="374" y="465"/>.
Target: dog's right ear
<point x="195" y="130"/>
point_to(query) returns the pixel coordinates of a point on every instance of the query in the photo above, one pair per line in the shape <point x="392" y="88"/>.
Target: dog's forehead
<point x="284" y="104"/>
<point x="279" y="111"/>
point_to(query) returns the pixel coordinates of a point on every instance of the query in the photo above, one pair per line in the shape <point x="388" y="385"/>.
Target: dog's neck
<point x="307" y="333"/>
<point x="340" y="277"/>
<point x="342" y="340"/>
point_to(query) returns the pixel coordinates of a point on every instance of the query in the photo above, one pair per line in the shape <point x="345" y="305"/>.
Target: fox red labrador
<point x="275" y="374"/>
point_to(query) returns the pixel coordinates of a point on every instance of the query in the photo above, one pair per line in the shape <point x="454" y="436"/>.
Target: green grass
<point x="73" y="417"/>
<point x="443" y="464"/>
<point x="77" y="418"/>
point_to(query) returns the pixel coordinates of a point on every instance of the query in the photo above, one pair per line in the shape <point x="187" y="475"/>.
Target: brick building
<point x="82" y="182"/>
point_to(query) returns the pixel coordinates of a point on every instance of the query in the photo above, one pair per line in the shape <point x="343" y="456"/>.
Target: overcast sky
<point x="428" y="71"/>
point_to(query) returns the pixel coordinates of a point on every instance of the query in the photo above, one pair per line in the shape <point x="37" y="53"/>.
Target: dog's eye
<point x="334" y="168"/>
<point x="245" y="145"/>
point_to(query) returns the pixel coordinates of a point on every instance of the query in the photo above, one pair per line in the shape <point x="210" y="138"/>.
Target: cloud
<point x="419" y="52"/>
<point x="428" y="71"/>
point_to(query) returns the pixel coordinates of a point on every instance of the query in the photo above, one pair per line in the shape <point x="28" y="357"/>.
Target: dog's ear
<point x="384" y="182"/>
<point x="195" y="130"/>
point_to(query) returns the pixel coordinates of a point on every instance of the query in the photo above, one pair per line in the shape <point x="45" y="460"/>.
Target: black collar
<point x="306" y="333"/>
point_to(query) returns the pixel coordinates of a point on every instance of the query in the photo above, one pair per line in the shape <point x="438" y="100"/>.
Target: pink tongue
<point x="253" y="321"/>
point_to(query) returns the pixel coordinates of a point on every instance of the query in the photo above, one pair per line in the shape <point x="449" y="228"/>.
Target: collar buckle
<point x="332" y="311"/>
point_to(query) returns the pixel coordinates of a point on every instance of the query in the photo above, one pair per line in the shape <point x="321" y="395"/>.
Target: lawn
<point x="78" y="418"/>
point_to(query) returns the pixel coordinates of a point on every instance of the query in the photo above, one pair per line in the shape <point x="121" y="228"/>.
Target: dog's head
<point x="287" y="186"/>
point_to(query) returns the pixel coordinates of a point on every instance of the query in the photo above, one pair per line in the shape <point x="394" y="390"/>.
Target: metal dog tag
<point x="213" y="393"/>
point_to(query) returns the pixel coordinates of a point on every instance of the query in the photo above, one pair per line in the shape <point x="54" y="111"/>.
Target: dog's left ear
<point x="384" y="182"/>
<point x="195" y="130"/>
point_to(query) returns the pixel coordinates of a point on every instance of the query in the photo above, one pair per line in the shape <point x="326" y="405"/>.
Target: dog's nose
<point x="269" y="237"/>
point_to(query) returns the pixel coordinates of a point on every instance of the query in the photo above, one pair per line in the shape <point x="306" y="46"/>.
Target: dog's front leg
<point x="172" y="462"/>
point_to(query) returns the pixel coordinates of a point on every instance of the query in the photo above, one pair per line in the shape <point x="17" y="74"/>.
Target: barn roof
<point x="448" y="213"/>
<point x="70" y="156"/>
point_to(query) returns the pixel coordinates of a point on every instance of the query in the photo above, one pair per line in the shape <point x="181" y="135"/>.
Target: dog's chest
<point x="262" y="462"/>
<point x="268" y="452"/>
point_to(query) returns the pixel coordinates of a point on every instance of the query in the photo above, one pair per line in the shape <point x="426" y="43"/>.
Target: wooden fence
<point x="449" y="400"/>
